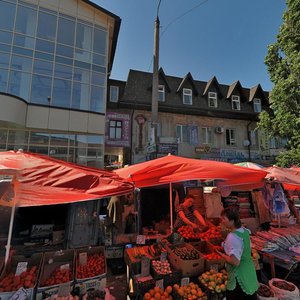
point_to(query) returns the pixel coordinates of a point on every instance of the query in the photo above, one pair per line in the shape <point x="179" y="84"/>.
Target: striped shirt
<point x="188" y="212"/>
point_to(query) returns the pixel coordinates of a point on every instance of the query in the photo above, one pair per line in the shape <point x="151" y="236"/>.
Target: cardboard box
<point x="90" y="251"/>
<point x="206" y="248"/>
<point x="34" y="260"/>
<point x="52" y="261"/>
<point x="189" y="268"/>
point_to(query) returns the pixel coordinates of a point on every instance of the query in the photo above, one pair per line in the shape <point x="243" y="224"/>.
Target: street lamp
<point x="154" y="103"/>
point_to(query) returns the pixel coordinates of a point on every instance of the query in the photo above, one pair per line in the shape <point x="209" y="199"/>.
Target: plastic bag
<point x="263" y="286"/>
<point x="283" y="294"/>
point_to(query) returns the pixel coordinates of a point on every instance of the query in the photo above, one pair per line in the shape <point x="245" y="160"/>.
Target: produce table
<point x="278" y="246"/>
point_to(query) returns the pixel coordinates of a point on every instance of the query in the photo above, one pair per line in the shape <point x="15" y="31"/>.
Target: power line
<point x="176" y="19"/>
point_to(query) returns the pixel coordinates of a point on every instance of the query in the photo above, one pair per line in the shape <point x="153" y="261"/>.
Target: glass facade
<point x="80" y="149"/>
<point x="45" y="55"/>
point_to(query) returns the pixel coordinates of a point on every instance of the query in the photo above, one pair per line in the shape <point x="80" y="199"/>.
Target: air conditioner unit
<point x="219" y="129"/>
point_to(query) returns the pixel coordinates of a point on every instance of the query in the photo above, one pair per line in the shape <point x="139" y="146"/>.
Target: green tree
<point x="283" y="63"/>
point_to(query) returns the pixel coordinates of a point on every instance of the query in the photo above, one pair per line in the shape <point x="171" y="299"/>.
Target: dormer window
<point x="161" y="93"/>
<point x="212" y="99"/>
<point x="235" y="102"/>
<point x="187" y="96"/>
<point x="257" y="105"/>
<point x="113" y="93"/>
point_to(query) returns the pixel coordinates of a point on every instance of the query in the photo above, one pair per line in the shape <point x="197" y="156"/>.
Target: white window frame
<point x="161" y="93"/>
<point x="212" y="99"/>
<point x="187" y="96"/>
<point x="257" y="105"/>
<point x="235" y="100"/>
<point x="206" y="135"/>
<point x="232" y="137"/>
<point x="181" y="138"/>
<point x="254" y="138"/>
<point x="111" y="94"/>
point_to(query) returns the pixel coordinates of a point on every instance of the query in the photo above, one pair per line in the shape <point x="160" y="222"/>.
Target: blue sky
<point x="223" y="38"/>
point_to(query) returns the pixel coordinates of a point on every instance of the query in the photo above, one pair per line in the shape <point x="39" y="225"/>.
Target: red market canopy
<point x="171" y="168"/>
<point x="42" y="180"/>
<point x="289" y="177"/>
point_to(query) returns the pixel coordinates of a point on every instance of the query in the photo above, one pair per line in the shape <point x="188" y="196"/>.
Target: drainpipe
<point x="249" y="139"/>
<point x="131" y="152"/>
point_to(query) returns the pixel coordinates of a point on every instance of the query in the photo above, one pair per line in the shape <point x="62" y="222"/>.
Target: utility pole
<point x="154" y="104"/>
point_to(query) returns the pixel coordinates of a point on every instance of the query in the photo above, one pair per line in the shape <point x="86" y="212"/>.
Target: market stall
<point x="39" y="181"/>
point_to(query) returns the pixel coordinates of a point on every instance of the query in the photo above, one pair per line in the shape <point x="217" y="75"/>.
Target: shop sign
<point x="185" y="281"/>
<point x="21" y="267"/>
<point x="202" y="149"/>
<point x="20" y="294"/>
<point x="141" y="239"/>
<point x="160" y="283"/>
<point x="163" y="256"/>
<point x="82" y="259"/>
<point x="145" y="266"/>
<point x="65" y="267"/>
<point x="164" y="148"/>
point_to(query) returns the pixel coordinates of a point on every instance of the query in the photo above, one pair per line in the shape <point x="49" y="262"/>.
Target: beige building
<point x="196" y="119"/>
<point x="55" y="56"/>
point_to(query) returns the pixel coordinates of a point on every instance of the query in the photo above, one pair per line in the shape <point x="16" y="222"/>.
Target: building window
<point x="182" y="133"/>
<point x="187" y="96"/>
<point x="278" y="142"/>
<point x="113" y="93"/>
<point x="206" y="135"/>
<point x="257" y="105"/>
<point x="212" y="99"/>
<point x="115" y="130"/>
<point x="254" y="138"/>
<point x="230" y="137"/>
<point x="235" y="102"/>
<point x="161" y="93"/>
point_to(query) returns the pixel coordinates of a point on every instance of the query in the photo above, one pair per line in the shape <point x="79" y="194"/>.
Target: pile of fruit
<point x="161" y="267"/>
<point x="283" y="285"/>
<point x="159" y="294"/>
<point x="95" y="266"/>
<point x="59" y="276"/>
<point x="188" y="233"/>
<point x="265" y="291"/>
<point x="212" y="256"/>
<point x="190" y="292"/>
<point x="12" y="282"/>
<point x="214" y="281"/>
<point x="186" y="253"/>
<point x="212" y="233"/>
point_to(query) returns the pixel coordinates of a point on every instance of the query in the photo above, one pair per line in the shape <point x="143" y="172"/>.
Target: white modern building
<point x="55" y="57"/>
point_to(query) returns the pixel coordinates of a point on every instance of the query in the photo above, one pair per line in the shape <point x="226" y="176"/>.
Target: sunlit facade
<point x="54" y="60"/>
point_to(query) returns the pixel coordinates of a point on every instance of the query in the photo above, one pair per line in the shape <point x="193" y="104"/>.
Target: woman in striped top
<point x="187" y="214"/>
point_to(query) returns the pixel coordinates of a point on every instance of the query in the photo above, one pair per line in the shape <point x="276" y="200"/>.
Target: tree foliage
<point x="283" y="63"/>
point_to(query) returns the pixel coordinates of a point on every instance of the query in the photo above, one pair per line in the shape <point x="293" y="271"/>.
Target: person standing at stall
<point x="242" y="279"/>
<point x="187" y="214"/>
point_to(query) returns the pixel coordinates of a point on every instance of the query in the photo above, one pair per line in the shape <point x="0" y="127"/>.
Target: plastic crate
<point x="34" y="260"/>
<point x="52" y="261"/>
